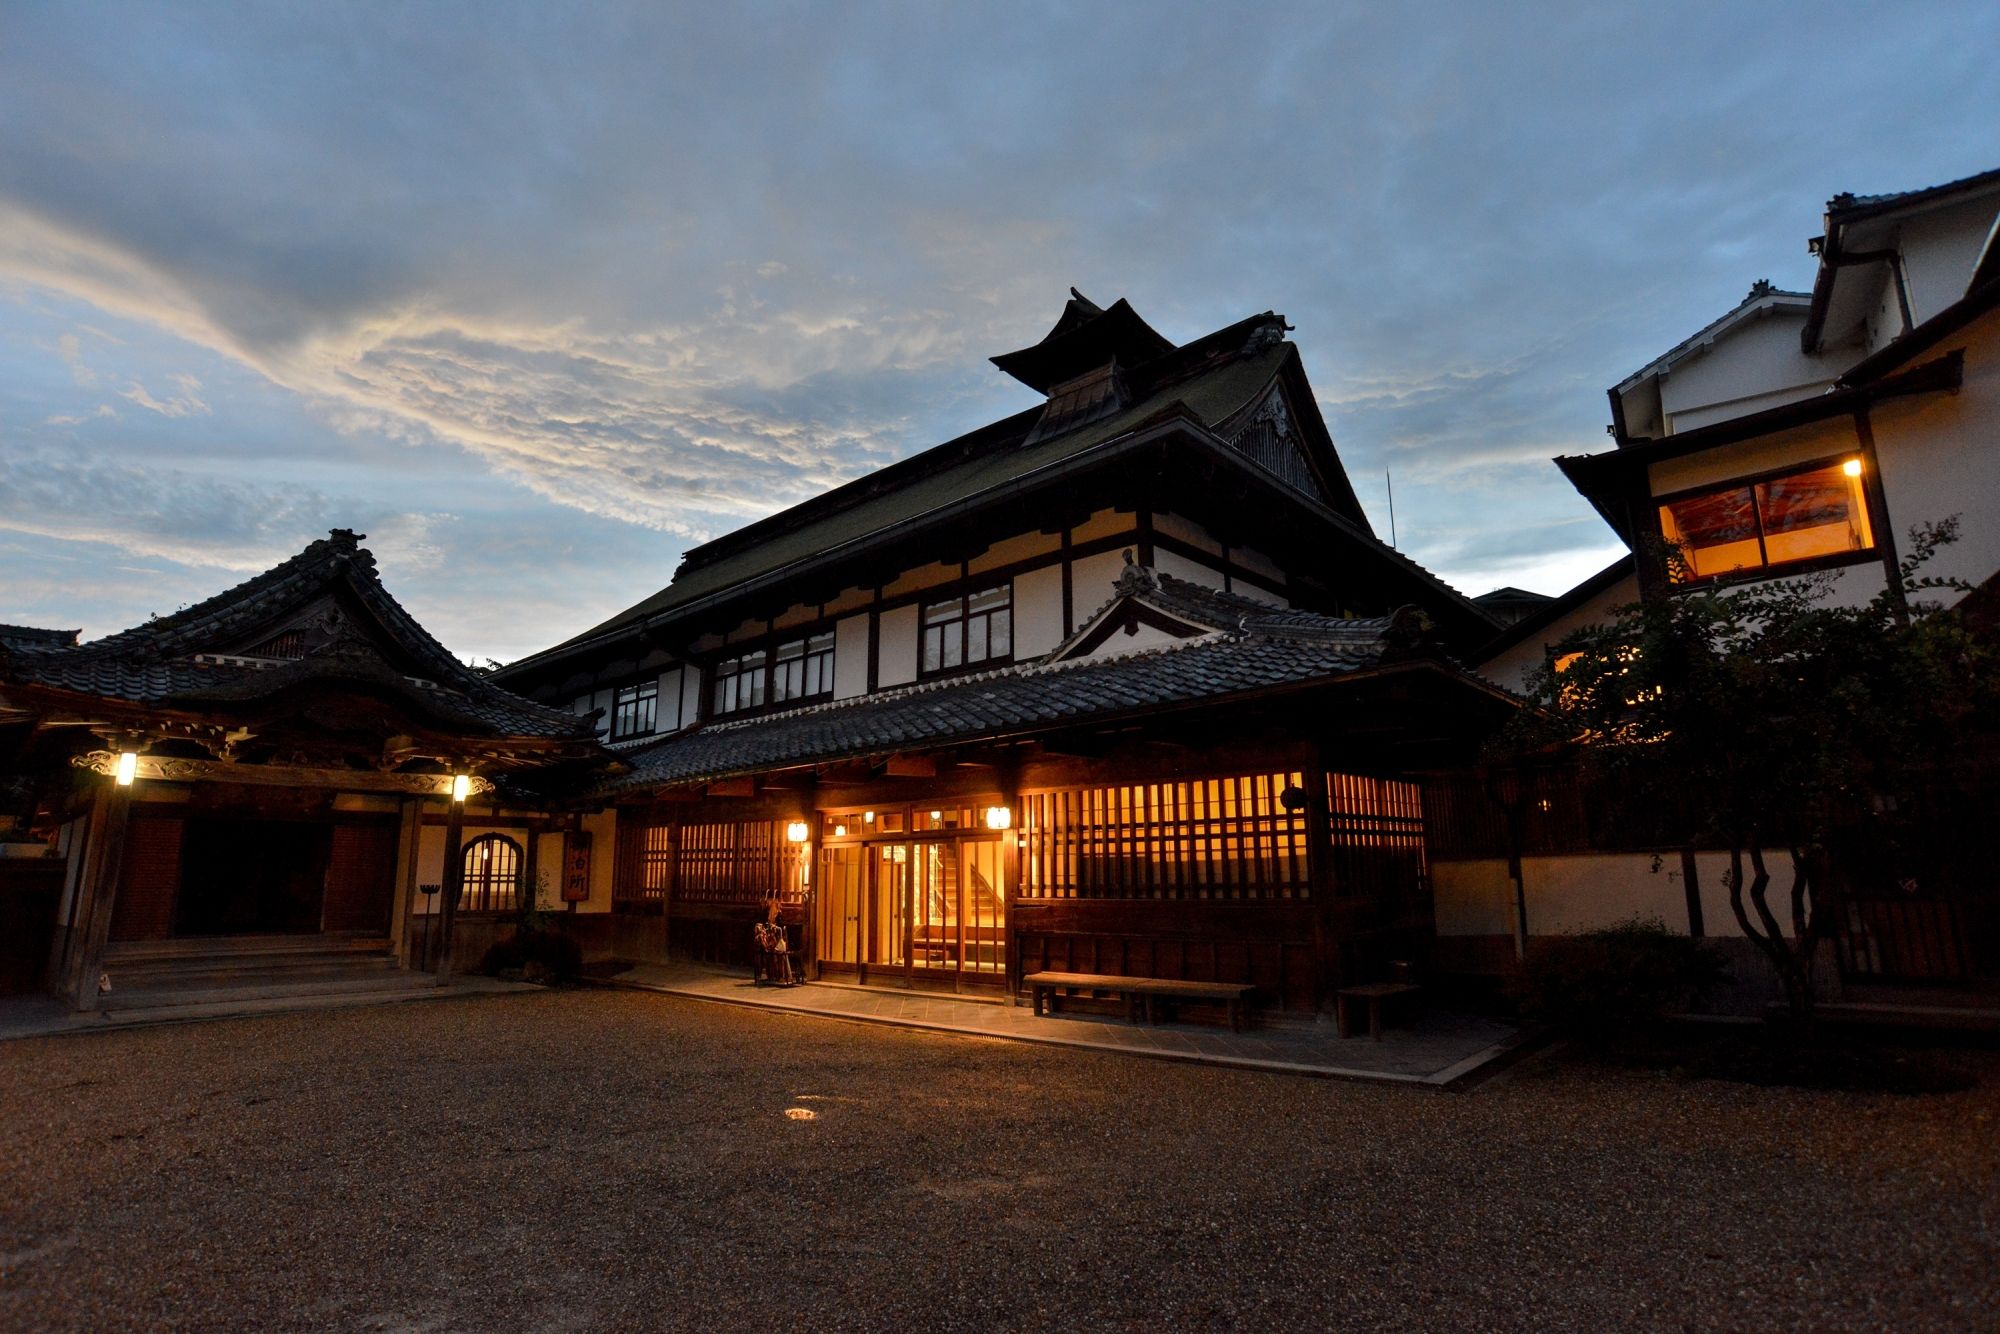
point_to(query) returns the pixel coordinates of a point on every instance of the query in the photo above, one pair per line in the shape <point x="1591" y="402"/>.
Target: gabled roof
<point x="1266" y="649"/>
<point x="1204" y="385"/>
<point x="1763" y="300"/>
<point x="1083" y="339"/>
<point x="1845" y="211"/>
<point x="206" y="653"/>
<point x="1848" y="207"/>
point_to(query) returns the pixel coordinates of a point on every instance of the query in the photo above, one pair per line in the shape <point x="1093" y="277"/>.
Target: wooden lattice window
<point x="735" y="861"/>
<point x="1241" y="837"/>
<point x="492" y="875"/>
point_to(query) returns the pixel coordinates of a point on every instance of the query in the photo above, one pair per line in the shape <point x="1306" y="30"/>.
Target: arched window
<point x="492" y="874"/>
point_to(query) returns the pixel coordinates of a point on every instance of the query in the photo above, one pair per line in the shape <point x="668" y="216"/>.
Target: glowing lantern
<point x="998" y="817"/>
<point x="461" y="786"/>
<point x="128" y="768"/>
<point x="797" y="832"/>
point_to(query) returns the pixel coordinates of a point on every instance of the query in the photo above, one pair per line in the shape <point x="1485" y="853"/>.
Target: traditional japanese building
<point x="1124" y="682"/>
<point x="268" y="781"/>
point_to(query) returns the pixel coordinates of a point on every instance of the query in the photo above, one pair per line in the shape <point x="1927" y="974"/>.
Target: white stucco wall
<point x="850" y="657"/>
<point x="1092" y="581"/>
<point x="1755" y="365"/>
<point x="1180" y="567"/>
<point x="1588" y="892"/>
<point x="1940" y="247"/>
<point x="690" y="695"/>
<point x="1038" y="612"/>
<point x="896" y="658"/>
<point x="1940" y="456"/>
<point x="667" y="716"/>
<point x="1511" y="667"/>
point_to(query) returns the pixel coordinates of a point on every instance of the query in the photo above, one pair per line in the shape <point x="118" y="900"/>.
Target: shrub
<point x="538" y="956"/>
<point x="1603" y="984"/>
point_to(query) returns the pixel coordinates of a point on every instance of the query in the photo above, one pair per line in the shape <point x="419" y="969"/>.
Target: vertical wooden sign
<point x="576" y="866"/>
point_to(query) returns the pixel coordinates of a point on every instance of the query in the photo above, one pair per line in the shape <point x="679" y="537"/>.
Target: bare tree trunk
<point x="1789" y="959"/>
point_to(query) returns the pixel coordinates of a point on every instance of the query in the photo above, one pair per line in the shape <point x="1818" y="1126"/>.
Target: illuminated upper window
<point x="1817" y="513"/>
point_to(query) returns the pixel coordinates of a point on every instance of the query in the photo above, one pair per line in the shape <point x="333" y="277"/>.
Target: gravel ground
<point x="590" y="1160"/>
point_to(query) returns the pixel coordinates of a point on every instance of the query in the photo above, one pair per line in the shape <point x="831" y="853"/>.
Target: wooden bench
<point x="1374" y="993"/>
<point x="1140" y="993"/>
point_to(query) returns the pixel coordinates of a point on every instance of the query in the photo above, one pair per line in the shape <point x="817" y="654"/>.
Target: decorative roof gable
<point x="322" y="615"/>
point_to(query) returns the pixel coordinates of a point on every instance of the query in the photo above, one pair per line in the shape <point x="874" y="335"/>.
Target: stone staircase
<point x="193" y="976"/>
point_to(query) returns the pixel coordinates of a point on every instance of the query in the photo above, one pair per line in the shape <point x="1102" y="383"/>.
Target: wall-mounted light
<point x="797" y="832"/>
<point x="1852" y="467"/>
<point x="128" y="768"/>
<point x="840" y="831"/>
<point x="461" y="786"/>
<point x="999" y="817"/>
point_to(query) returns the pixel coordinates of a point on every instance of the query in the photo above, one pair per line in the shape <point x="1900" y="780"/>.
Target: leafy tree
<point x="1767" y="716"/>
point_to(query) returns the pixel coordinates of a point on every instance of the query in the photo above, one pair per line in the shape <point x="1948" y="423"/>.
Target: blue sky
<point x="537" y="296"/>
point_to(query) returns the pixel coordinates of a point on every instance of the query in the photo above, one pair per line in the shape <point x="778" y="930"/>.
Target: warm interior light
<point x="797" y="832"/>
<point x="840" y="831"/>
<point x="128" y="768"/>
<point x="998" y="817"/>
<point x="1852" y="467"/>
<point x="868" y="817"/>
<point x="461" y="786"/>
<point x="937" y="817"/>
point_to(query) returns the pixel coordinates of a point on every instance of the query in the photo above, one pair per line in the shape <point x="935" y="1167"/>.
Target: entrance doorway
<point x="931" y="912"/>
<point x="245" y="877"/>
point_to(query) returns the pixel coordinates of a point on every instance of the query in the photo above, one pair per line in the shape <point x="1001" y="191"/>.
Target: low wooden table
<point x="1139" y="993"/>
<point x="1374" y="993"/>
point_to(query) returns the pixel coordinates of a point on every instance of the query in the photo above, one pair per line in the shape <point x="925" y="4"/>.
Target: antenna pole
<point x="1390" y="480"/>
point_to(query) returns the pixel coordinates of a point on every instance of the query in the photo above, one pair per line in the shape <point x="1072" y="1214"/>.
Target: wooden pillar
<point x="1325" y="886"/>
<point x="531" y="887"/>
<point x="97" y="896"/>
<point x="411" y="837"/>
<point x="672" y="886"/>
<point x="454" y="881"/>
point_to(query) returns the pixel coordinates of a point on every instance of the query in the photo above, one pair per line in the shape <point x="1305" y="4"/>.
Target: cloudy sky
<point x="537" y="296"/>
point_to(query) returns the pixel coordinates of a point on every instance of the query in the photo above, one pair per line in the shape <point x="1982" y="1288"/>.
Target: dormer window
<point x="964" y="631"/>
<point x="1800" y="519"/>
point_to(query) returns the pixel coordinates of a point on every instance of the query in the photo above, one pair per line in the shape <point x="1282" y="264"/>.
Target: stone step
<point x="223" y="974"/>
<point x="149" y="951"/>
<point x="377" y="985"/>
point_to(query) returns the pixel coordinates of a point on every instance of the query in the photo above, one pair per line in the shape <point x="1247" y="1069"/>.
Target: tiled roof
<point x="980" y="462"/>
<point x="1263" y="647"/>
<point x="30" y="636"/>
<point x="158" y="663"/>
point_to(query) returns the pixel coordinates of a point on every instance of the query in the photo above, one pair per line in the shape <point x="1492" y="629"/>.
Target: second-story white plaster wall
<point x="896" y="658"/>
<point x="1038" y="612"/>
<point x="850" y="657"/>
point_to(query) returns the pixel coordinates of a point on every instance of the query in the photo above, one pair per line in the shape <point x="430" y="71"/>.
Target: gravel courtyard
<point x="597" y="1160"/>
